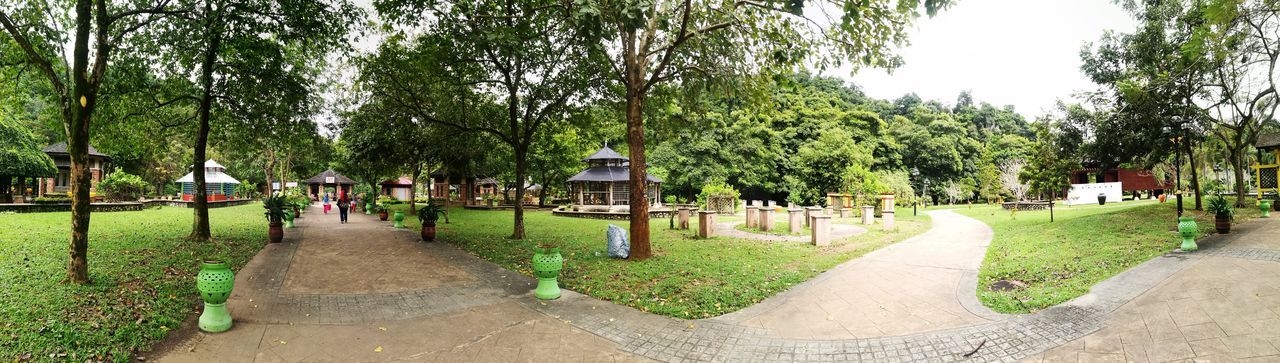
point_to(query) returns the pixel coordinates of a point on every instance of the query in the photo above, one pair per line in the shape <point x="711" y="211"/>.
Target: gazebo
<point x="605" y="181"/>
<point x="329" y="178"/>
<point x="1265" y="174"/>
<point x="217" y="184"/>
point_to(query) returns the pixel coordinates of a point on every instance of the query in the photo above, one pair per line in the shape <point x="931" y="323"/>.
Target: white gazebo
<point x="217" y="184"/>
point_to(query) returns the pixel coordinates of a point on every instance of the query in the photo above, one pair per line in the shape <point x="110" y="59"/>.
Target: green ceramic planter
<point x="368" y="208"/>
<point x="1188" y="230"/>
<point x="1265" y="207"/>
<point x="215" y="282"/>
<point x="288" y="219"/>
<point x="547" y="263"/>
<point x="399" y="218"/>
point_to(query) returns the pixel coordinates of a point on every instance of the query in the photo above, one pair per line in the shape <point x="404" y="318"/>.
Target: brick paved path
<point x="466" y="309"/>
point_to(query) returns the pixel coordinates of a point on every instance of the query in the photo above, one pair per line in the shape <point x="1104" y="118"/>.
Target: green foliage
<point x="19" y="154"/>
<point x="142" y="280"/>
<point x="430" y="213"/>
<point x="717" y="191"/>
<point x="122" y="186"/>
<point x="1220" y="206"/>
<point x="831" y="163"/>
<point x="275" y="205"/>
<point x="53" y="199"/>
<point x="1052" y="160"/>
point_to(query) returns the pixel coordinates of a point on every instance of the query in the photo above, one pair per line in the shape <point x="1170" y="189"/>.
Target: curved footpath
<point x="363" y="291"/>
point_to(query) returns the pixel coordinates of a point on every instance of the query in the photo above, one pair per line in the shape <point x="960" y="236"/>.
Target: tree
<point x="646" y="44"/>
<point x="42" y="33"/>
<point x="248" y="58"/>
<point x="1052" y="159"/>
<point x="1010" y="178"/>
<point x="20" y="157"/>
<point x="521" y="64"/>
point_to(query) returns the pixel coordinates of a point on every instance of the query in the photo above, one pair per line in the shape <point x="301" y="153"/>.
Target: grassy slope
<point x="687" y="278"/>
<point x="142" y="272"/>
<point x="1085" y="245"/>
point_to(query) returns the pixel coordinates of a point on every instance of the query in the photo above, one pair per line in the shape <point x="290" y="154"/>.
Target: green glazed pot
<point x="215" y="282"/>
<point x="399" y="218"/>
<point x="1265" y="207"/>
<point x="368" y="208"/>
<point x="1188" y="230"/>
<point x="547" y="263"/>
<point x="288" y="219"/>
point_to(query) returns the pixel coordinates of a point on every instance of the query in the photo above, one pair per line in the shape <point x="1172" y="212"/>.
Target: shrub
<point x="719" y="197"/>
<point x="53" y="199"/>
<point x="122" y="186"/>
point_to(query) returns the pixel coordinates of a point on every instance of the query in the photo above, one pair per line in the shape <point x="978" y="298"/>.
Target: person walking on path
<point x="326" y="203"/>
<point x="343" y="205"/>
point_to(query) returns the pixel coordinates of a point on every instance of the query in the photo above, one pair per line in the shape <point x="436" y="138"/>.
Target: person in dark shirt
<point x="344" y="204"/>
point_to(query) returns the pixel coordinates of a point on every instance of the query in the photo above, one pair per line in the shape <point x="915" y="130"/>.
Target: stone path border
<point x="838" y="232"/>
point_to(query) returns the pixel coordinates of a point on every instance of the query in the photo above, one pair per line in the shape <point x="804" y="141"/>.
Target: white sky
<point x="1020" y="52"/>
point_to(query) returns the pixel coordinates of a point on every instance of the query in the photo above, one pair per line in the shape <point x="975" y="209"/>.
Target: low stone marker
<point x="887" y="217"/>
<point x="795" y="219"/>
<point x="706" y="223"/>
<point x="758" y="203"/>
<point x="809" y="212"/>
<point x="773" y="203"/>
<point x="682" y="215"/>
<point x="753" y="217"/>
<point x="821" y="231"/>
<point x="766" y="219"/>
<point x="868" y="214"/>
<point x="846" y="212"/>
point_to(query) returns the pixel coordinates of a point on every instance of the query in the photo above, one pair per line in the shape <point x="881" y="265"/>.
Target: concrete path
<point x="1223" y="307"/>
<point x="364" y="291"/>
<point x="838" y="232"/>
<point x="921" y="284"/>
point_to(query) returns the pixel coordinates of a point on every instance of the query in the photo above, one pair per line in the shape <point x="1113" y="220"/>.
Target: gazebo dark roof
<point x="337" y="178"/>
<point x="61" y="148"/>
<point x="1268" y="141"/>
<point x="607" y="174"/>
<point x="605" y="153"/>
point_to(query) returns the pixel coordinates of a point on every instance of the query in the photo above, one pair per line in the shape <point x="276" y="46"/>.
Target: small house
<point x="61" y="183"/>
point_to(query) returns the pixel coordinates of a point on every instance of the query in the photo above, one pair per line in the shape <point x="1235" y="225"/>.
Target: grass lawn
<point x="1086" y="244"/>
<point x="142" y="272"/>
<point x="780" y="228"/>
<point x="687" y="277"/>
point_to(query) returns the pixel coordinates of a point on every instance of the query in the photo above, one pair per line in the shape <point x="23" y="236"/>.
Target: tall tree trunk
<point x="200" y="226"/>
<point x="522" y="156"/>
<point x="1195" y="177"/>
<point x="82" y="101"/>
<point x="640" y="248"/>
<point x="542" y="191"/>
<point x="413" y="188"/>
<point x="1237" y="164"/>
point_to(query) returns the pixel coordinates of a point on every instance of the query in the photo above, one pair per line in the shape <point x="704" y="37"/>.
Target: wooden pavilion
<point x="605" y="181"/>
<point x="1265" y="174"/>
<point x="329" y="179"/>
<point x="217" y="184"/>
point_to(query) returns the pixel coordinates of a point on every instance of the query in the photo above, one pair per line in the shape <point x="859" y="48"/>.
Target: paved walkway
<point x="364" y="291"/>
<point x="838" y="231"/>
<point x="913" y="301"/>
<point x="921" y="284"/>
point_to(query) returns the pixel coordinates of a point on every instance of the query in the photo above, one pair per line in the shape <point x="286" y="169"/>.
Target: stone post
<point x="758" y="203"/>
<point x="753" y="219"/>
<point x="809" y="212"/>
<point x="683" y="218"/>
<point x="766" y="219"/>
<point x="821" y="231"/>
<point x="887" y="217"/>
<point x="868" y="214"/>
<point x="846" y="212"/>
<point x="706" y="223"/>
<point x="773" y="204"/>
<point x="795" y="218"/>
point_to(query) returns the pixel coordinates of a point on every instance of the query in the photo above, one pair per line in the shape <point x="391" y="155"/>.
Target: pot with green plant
<point x="399" y="219"/>
<point x="275" y="217"/>
<point x="289" y="216"/>
<point x="383" y="214"/>
<point x="428" y="215"/>
<point x="1222" y="213"/>
<point x="1264" y="206"/>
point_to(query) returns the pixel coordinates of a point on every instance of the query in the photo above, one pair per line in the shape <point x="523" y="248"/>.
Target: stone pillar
<point x="683" y="218"/>
<point x="773" y="204"/>
<point x="766" y="219"/>
<point x="706" y="223"/>
<point x="795" y="217"/>
<point x="887" y="217"/>
<point x="888" y="203"/>
<point x="868" y="214"/>
<point x="753" y="219"/>
<point x="809" y="212"/>
<point x="830" y="210"/>
<point x="846" y="212"/>
<point x="821" y="231"/>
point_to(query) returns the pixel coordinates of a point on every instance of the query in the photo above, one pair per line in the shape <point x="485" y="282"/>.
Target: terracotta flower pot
<point x="428" y="232"/>
<point x="383" y="215"/>
<point x="1222" y="223"/>
<point x="275" y="233"/>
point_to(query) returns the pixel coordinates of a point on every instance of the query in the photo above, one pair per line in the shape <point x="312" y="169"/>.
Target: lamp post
<point x="915" y="173"/>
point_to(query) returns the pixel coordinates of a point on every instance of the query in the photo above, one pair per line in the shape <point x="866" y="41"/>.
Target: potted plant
<point x="1264" y="206"/>
<point x="1102" y="198"/>
<point x="399" y="219"/>
<point x="275" y="217"/>
<point x="382" y="212"/>
<point x="428" y="215"/>
<point x="1222" y="212"/>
